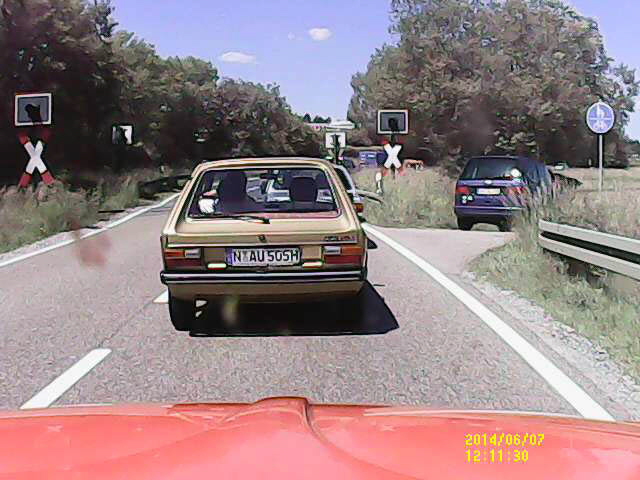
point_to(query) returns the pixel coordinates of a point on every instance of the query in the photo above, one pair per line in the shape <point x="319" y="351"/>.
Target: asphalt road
<point x="414" y="344"/>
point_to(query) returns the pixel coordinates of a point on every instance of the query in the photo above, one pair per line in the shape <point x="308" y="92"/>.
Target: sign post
<point x="336" y="142"/>
<point x="393" y="123"/>
<point x="34" y="110"/>
<point x="600" y="120"/>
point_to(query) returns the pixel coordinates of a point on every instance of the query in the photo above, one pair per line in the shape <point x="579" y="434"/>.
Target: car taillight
<point x="462" y="190"/>
<point x="516" y="190"/>
<point x="359" y="206"/>
<point x="182" y="257"/>
<point x="343" y="254"/>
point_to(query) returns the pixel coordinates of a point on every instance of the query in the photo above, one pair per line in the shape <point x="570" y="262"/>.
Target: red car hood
<point x="288" y="438"/>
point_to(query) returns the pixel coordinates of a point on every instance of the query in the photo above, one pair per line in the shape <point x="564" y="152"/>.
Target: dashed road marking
<point x="162" y="298"/>
<point x="68" y="379"/>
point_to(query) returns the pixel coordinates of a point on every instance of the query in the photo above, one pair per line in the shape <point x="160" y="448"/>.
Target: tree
<point x="511" y="77"/>
<point x="634" y="147"/>
<point x="319" y="119"/>
<point x="58" y="46"/>
<point x="100" y="77"/>
<point x="359" y="138"/>
<point x="306" y="118"/>
<point x="247" y="119"/>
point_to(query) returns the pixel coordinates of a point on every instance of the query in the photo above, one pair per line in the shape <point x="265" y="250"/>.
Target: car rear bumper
<point x="171" y="278"/>
<point x="486" y="212"/>
<point x="265" y="287"/>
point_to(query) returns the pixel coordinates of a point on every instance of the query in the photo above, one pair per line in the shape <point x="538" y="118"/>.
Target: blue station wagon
<point x="493" y="189"/>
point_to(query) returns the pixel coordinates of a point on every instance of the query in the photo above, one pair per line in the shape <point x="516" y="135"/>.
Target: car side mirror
<point x="371" y="245"/>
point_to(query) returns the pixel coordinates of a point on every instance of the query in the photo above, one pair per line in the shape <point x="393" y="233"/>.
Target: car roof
<point x="519" y="158"/>
<point x="262" y="162"/>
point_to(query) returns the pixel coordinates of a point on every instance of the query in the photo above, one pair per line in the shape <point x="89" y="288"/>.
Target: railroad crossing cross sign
<point x="392" y="156"/>
<point x="34" y="110"/>
<point x="600" y="118"/>
<point x="35" y="162"/>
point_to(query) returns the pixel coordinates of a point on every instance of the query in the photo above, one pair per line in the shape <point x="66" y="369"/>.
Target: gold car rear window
<point x="289" y="190"/>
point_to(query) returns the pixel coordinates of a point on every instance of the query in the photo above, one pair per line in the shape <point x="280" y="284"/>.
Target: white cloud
<point x="320" y="34"/>
<point x="237" y="57"/>
<point x="291" y="36"/>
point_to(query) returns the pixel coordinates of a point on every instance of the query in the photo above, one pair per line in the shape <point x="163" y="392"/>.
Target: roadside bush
<point x="604" y="316"/>
<point x="615" y="212"/>
<point x="414" y="199"/>
<point x="32" y="214"/>
<point x="28" y="215"/>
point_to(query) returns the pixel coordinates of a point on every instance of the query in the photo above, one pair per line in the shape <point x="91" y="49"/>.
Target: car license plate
<point x="488" y="191"/>
<point x="263" y="257"/>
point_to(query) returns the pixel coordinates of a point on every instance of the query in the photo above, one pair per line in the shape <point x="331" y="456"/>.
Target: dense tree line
<point x="317" y="119"/>
<point x="482" y="76"/>
<point x="100" y="76"/>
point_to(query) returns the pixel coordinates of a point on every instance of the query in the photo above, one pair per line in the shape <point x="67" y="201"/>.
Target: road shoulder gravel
<point x="581" y="354"/>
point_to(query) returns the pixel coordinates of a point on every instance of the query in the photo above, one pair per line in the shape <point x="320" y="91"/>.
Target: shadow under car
<point x="372" y="316"/>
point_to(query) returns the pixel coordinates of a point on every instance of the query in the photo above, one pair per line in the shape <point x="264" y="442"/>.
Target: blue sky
<point x="312" y="47"/>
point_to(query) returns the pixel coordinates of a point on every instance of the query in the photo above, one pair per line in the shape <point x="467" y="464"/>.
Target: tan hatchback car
<point x="262" y="230"/>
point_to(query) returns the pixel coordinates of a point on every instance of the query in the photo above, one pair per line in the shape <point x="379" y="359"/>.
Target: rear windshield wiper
<point x="240" y="216"/>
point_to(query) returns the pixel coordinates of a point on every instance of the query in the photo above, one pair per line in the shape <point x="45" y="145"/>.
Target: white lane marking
<point x="162" y="298"/>
<point x="64" y="382"/>
<point x="88" y="234"/>
<point x="567" y="388"/>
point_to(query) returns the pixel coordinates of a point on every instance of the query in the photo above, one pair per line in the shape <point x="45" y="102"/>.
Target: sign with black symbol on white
<point x="32" y="109"/>
<point x="329" y="139"/>
<point x="393" y="122"/>
<point x="122" y="135"/>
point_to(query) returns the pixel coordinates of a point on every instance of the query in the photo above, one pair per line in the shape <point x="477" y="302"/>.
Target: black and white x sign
<point x="35" y="157"/>
<point x="392" y="156"/>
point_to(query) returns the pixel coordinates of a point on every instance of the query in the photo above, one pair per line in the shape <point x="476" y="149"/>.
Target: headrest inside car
<point x="303" y="189"/>
<point x="322" y="182"/>
<point x="233" y="186"/>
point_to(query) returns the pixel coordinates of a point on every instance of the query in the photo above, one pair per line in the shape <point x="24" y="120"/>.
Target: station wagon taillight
<point x="462" y="190"/>
<point x="516" y="190"/>
<point x="182" y="257"/>
<point x="343" y="254"/>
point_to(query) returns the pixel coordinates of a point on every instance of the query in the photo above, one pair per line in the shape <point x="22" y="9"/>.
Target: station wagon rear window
<point x="488" y="168"/>
<point x="289" y="190"/>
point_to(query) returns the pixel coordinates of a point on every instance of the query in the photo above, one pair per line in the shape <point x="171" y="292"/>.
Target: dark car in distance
<point x="494" y="188"/>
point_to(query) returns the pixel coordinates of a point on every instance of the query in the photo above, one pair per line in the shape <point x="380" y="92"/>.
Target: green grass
<point x="29" y="215"/>
<point x="602" y="314"/>
<point x="616" y="212"/>
<point x="415" y="199"/>
<point x="614" y="178"/>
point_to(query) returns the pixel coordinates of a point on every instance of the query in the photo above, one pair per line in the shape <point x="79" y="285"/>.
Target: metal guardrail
<point x="370" y="195"/>
<point x="612" y="252"/>
<point x="164" y="184"/>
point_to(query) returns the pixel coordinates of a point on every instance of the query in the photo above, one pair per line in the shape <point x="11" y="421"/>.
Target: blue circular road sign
<point x="600" y="118"/>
